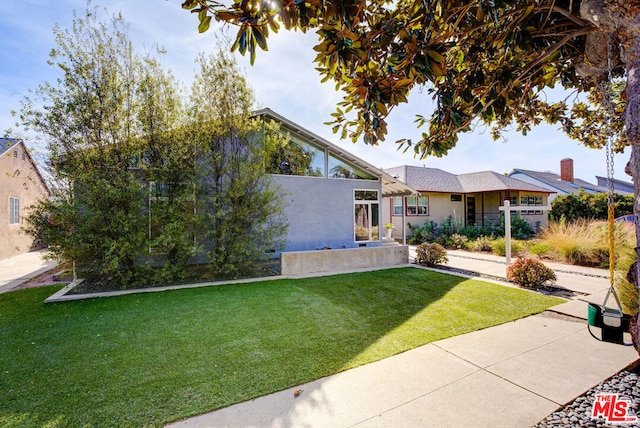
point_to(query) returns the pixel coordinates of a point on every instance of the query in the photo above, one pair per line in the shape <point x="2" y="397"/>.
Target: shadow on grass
<point x="149" y="359"/>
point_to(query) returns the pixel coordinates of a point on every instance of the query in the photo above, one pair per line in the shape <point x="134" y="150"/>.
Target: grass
<point x="144" y="360"/>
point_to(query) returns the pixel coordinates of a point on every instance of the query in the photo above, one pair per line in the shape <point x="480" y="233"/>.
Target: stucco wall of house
<point x="320" y="211"/>
<point x="441" y="207"/>
<point x="528" y="179"/>
<point x="18" y="178"/>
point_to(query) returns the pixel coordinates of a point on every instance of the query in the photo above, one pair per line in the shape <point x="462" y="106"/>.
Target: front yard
<point x="148" y="359"/>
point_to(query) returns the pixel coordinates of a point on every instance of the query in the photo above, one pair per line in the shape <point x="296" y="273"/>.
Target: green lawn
<point x="148" y="359"/>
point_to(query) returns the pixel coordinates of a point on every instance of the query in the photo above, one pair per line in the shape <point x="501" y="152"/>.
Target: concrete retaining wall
<point x="304" y="262"/>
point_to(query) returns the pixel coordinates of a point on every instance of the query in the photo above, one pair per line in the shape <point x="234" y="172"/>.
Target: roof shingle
<point x="436" y="180"/>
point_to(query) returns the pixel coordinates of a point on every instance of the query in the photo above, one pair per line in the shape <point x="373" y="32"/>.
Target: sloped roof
<point x="436" y="180"/>
<point x="554" y="181"/>
<point x="6" y="144"/>
<point x="391" y="186"/>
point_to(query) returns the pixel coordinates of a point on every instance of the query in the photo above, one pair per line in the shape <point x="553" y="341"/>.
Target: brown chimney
<point x="566" y="170"/>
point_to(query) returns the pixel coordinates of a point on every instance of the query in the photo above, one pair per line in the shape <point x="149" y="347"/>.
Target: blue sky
<point x="283" y="79"/>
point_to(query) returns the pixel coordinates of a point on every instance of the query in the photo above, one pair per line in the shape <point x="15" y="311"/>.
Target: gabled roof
<point x="390" y="185"/>
<point x="6" y="144"/>
<point x="554" y="181"/>
<point x="619" y="186"/>
<point x="436" y="180"/>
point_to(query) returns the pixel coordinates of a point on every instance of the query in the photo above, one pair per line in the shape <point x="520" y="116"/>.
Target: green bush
<point x="475" y="231"/>
<point x="459" y="241"/>
<point x="499" y="247"/>
<point x="627" y="292"/>
<point x="483" y="243"/>
<point x="431" y="254"/>
<point x="424" y="233"/>
<point x="538" y="248"/>
<point x="450" y="226"/>
<point x="529" y="272"/>
<point x="588" y="206"/>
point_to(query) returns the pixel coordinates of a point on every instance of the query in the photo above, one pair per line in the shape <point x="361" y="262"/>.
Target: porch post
<point x="507" y="232"/>
<point x="404" y="224"/>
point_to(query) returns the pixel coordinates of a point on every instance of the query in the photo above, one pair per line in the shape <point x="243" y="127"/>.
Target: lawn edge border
<point x="62" y="296"/>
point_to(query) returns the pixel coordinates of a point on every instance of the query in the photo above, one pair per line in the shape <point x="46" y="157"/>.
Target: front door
<point x="471" y="211"/>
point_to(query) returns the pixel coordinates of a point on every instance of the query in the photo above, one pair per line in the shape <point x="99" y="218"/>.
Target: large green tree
<point x="483" y="61"/>
<point x="146" y="180"/>
<point x="243" y="216"/>
<point x="87" y="118"/>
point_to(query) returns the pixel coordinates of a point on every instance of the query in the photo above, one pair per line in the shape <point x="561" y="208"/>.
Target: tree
<point x="589" y="206"/>
<point x="87" y="120"/>
<point x="243" y="217"/>
<point x="146" y="183"/>
<point x="484" y="62"/>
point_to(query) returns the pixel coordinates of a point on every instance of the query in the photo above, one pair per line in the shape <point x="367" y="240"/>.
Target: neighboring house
<point x="563" y="184"/>
<point x="619" y="186"/>
<point x="21" y="185"/>
<point x="332" y="198"/>
<point x="470" y="199"/>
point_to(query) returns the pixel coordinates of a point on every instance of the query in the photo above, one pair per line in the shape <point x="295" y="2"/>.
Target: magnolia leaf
<point x="260" y="38"/>
<point x="436" y="56"/>
<point x="225" y="15"/>
<point x="204" y="24"/>
<point x="189" y="4"/>
<point x="252" y="47"/>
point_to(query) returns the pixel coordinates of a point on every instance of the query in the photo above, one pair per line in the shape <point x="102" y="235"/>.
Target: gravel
<point x="578" y="413"/>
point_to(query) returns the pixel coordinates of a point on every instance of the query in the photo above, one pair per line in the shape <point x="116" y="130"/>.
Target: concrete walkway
<point x="18" y="269"/>
<point x="511" y="375"/>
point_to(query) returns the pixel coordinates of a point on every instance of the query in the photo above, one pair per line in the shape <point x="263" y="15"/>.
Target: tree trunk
<point x="630" y="41"/>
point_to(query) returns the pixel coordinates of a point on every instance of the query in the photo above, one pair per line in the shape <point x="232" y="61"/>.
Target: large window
<point x="397" y="205"/>
<point x="14" y="210"/>
<point x="532" y="201"/>
<point x="341" y="169"/>
<point x="367" y="216"/>
<point x="417" y="205"/>
<point x="298" y="157"/>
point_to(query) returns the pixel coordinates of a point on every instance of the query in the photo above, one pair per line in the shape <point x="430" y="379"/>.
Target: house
<point x="619" y="186"/>
<point x="21" y="185"/>
<point x="563" y="184"/>
<point x="332" y="198"/>
<point x="470" y="199"/>
<point x="332" y="201"/>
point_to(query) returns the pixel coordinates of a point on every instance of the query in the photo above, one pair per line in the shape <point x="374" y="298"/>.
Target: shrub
<point x="627" y="292"/>
<point x="424" y="233"/>
<point x="459" y="241"/>
<point x="588" y="206"/>
<point x="580" y="242"/>
<point x="431" y="254"/>
<point x="483" y="243"/>
<point x="538" y="248"/>
<point x="451" y="226"/>
<point x="499" y="247"/>
<point x="475" y="231"/>
<point x="529" y="272"/>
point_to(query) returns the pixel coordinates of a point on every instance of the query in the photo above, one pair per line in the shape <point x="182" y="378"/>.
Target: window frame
<point x="414" y="209"/>
<point x="531" y="201"/>
<point x="371" y="204"/>
<point x="14" y="210"/>
<point x="397" y="209"/>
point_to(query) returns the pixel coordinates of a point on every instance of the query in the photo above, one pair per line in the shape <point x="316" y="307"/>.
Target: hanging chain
<point x="607" y="95"/>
